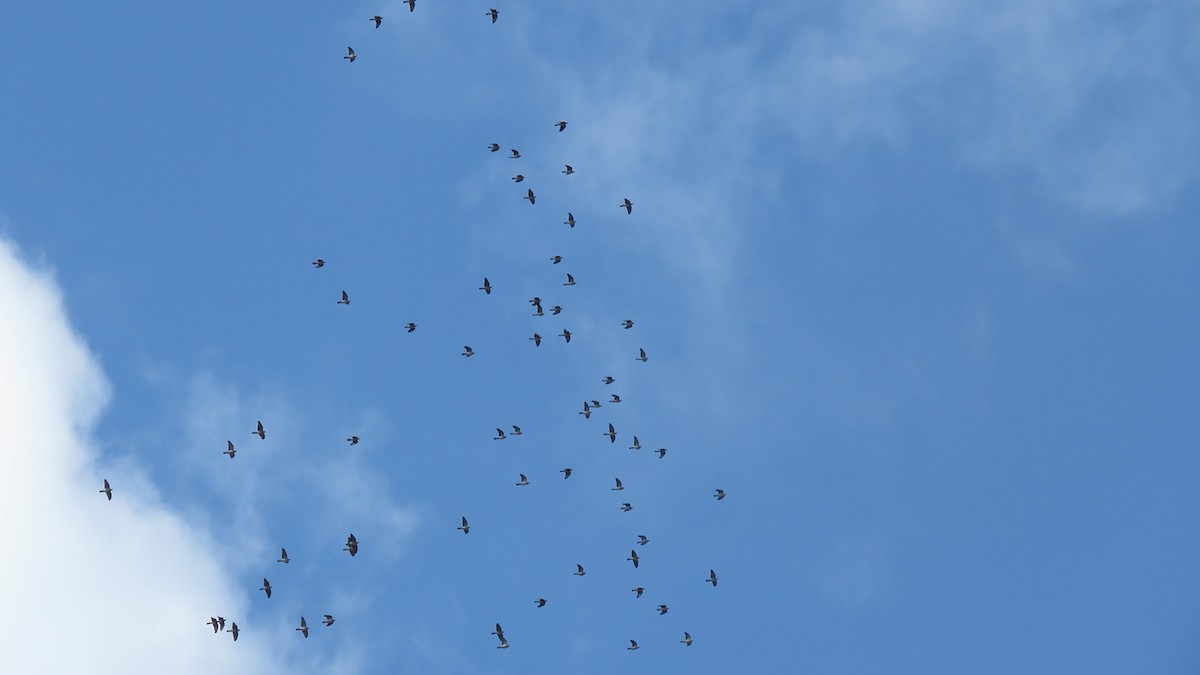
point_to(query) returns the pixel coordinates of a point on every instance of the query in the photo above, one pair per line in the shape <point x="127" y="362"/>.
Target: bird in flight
<point x="229" y="449"/>
<point x="570" y="281"/>
<point x="523" y="481"/>
<point x="319" y="263"/>
<point x="636" y="444"/>
<point x="353" y="440"/>
<point x="639" y="590"/>
<point x="351" y="56"/>
<point x="633" y="557"/>
<point x="687" y="639"/>
<point x="628" y="206"/>
<point x="494" y="14"/>
<point x="494" y="147"/>
<point x="260" y="432"/>
<point x="537" y="340"/>
<point x="107" y="490"/>
<point x="516" y="154"/>
<point x="662" y="452"/>
<point x="615" y="399"/>
<point x="608" y="379"/>
<point x="568" y="170"/>
<point x="538" y="310"/>
<point x="556" y="310"/>
<point x="345" y="299"/>
<point x="529" y="195"/>
<point x="221" y="620"/>
<point x="466" y="529"/>
<point x="561" y="124"/>
<point x="632" y="646"/>
<point x="720" y="494"/>
<point x="556" y="259"/>
<point x="518" y="178"/>
<point x="266" y="587"/>
<point x="499" y="632"/>
<point x="627" y="507"/>
<point x="570" y="219"/>
<point x="619" y="486"/>
<point x="566" y="335"/>
<point x="328" y="620"/>
<point x="499" y="435"/>
<point x="587" y="411"/>
<point x="351" y="545"/>
<point x="303" y="627"/>
<point x="212" y="621"/>
<point x="411" y="327"/>
<point x="516" y="430"/>
<point x="378" y="20"/>
<point x="579" y="570"/>
<point x="486" y="287"/>
<point x="641" y="355"/>
<point x="412" y="4"/>
<point x="540" y="602"/>
<point x="627" y="324"/>
<point x="712" y="578"/>
<point x="643" y="540"/>
<point x="662" y="609"/>
<point x="283" y="556"/>
<point x="467" y="351"/>
<point x="234" y="629"/>
<point x="612" y="434"/>
<point x="565" y="472"/>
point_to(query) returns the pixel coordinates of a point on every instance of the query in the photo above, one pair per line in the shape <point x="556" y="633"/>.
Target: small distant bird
<point x="538" y="308"/>
<point x="633" y="557"/>
<point x="259" y="432"/>
<point x="537" y="340"/>
<point x="234" y="629"/>
<point x="518" y="178"/>
<point x="516" y="430"/>
<point x="612" y="434"/>
<point x="221" y="619"/>
<point x="328" y="620"/>
<point x="499" y="632"/>
<point x="632" y="645"/>
<point x="266" y="587"/>
<point x="712" y="578"/>
<point x="566" y="335"/>
<point x="351" y="545"/>
<point x="535" y="300"/>
<point x="595" y="404"/>
<point x="608" y="379"/>
<point x="628" y="206"/>
<point x="213" y="622"/>
<point x="466" y="529"/>
<point x="108" y="489"/>
<point x="411" y="327"/>
<point x="319" y="263"/>
<point x="345" y="299"/>
<point x="561" y="124"/>
<point x="412" y="4"/>
<point x="662" y="452"/>
<point x="627" y="324"/>
<point x="627" y="507"/>
<point x="619" y="486"/>
<point x="641" y="355"/>
<point x="579" y="570"/>
<point x="636" y="444"/>
<point x="283" y="556"/>
<point x="353" y="440"/>
<point x="229" y="449"/>
<point x="565" y="472"/>
<point x="639" y="590"/>
<point x="570" y="281"/>
<point x="687" y="639"/>
<point x="541" y="602"/>
<point x="303" y="627"/>
<point x="556" y="310"/>
<point x="499" y="435"/>
<point x="516" y="154"/>
<point x="529" y="195"/>
<point x="351" y="56"/>
<point x="720" y="494"/>
<point x="662" y="609"/>
<point x="494" y="147"/>
<point x="556" y="259"/>
<point x="615" y="399"/>
<point x="467" y="351"/>
<point x="523" y="481"/>
<point x="378" y="20"/>
<point x="486" y="287"/>
<point x="570" y="219"/>
<point x="587" y="411"/>
<point x="492" y="13"/>
<point x="643" y="540"/>
<point x="569" y="170"/>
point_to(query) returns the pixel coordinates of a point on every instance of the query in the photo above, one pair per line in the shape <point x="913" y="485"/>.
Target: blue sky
<point x="916" y="279"/>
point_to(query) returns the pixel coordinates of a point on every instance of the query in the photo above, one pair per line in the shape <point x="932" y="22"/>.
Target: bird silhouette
<point x="234" y="629"/>
<point x="467" y="351"/>
<point x="411" y="327"/>
<point x="556" y="259"/>
<point x="412" y="4"/>
<point x="351" y="545"/>
<point x="662" y="609"/>
<point x="579" y="570"/>
<point x="486" y="287"/>
<point x="627" y="324"/>
<point x="523" y="481"/>
<point x="516" y="430"/>
<point x="466" y="529"/>
<point x="615" y="399"/>
<point x="565" y="472"/>
<point x="499" y="632"/>
<point x="318" y="263"/>
<point x="530" y="196"/>
<point x="568" y="170"/>
<point x="712" y="578"/>
<point x="628" y="206"/>
<point x="494" y="14"/>
<point x="260" y="432"/>
<point x="687" y="639"/>
<point x="328" y="620"/>
<point x="570" y="219"/>
<point x="720" y="494"/>
<point x="266" y="587"/>
<point x="303" y="627"/>
<point x="345" y="299"/>
<point x="636" y="444"/>
<point x="516" y="154"/>
<point x="612" y="434"/>
<point x="633" y="557"/>
<point x="662" y="452"/>
<point x="643" y="540"/>
<point x="627" y="507"/>
<point x="639" y="590"/>
<point x="494" y="147"/>
<point x="499" y="435"/>
<point x="229" y="449"/>
<point x="641" y="355"/>
<point x="351" y="56"/>
<point x="566" y="335"/>
<point x="556" y="310"/>
<point x="633" y="646"/>
<point x="561" y="124"/>
<point x="283" y="556"/>
<point x="378" y="20"/>
<point x="213" y="622"/>
<point x="608" y="379"/>
<point x="537" y="340"/>
<point x="540" y="602"/>
<point x="619" y="486"/>
<point x="353" y="440"/>
<point x="570" y="281"/>
<point x="108" y="489"/>
<point x="518" y="178"/>
<point x="587" y="411"/>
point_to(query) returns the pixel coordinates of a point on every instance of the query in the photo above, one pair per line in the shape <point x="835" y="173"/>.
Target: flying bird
<point x="212" y="621"/>
<point x="499" y="632"/>
<point x="319" y="263"/>
<point x="260" y="432"/>
<point x="353" y="440"/>
<point x="565" y="472"/>
<point x="486" y="287"/>
<point x="234" y="629"/>
<point x="556" y="259"/>
<point x="466" y="529"/>
<point x="579" y="570"/>
<point x="720" y="494"/>
<point x="523" y="481"/>
<point x="499" y="435"/>
<point x="627" y="507"/>
<point x="556" y="310"/>
<point x="494" y="147"/>
<point x="615" y="399"/>
<point x="639" y="590"/>
<point x="266" y="587"/>
<point x="662" y="609"/>
<point x="619" y="486"/>
<point x="492" y="13"/>
<point x="221" y="620"/>
<point x="712" y="578"/>
<point x="662" y="452"/>
<point x="518" y="178"/>
<point x="633" y="557"/>
<point x="643" y="540"/>
<point x="587" y="411"/>
<point x="345" y="299"/>
<point x="636" y="444"/>
<point x="351" y="545"/>
<point x="412" y="4"/>
<point x="687" y="639"/>
<point x="108" y="489"/>
<point x="566" y="335"/>
<point x="627" y="324"/>
<point x="595" y="403"/>
<point x="516" y="430"/>
<point x="411" y="327"/>
<point x="378" y="20"/>
<point x="570" y="281"/>
<point x="538" y="310"/>
<point x="570" y="219"/>
<point x="529" y="195"/>
<point x="351" y="56"/>
<point x="561" y="124"/>
<point x="516" y="154"/>
<point x="467" y="351"/>
<point x="303" y="627"/>
<point x="569" y="170"/>
<point x="537" y="340"/>
<point x="632" y="645"/>
<point x="540" y="602"/>
<point x="229" y="449"/>
<point x="283" y="556"/>
<point x="612" y="434"/>
<point x="628" y="206"/>
<point x="641" y="355"/>
<point x="608" y="379"/>
<point x="328" y="620"/>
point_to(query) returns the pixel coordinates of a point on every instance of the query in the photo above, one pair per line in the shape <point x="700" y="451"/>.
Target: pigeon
<point x="516" y="154"/>
<point x="213" y="622"/>
<point x="556" y="310"/>
<point x="720" y="494"/>
<point x="229" y="449"/>
<point x="608" y="379"/>
<point x="411" y="327"/>
<point x="523" y="481"/>
<point x="353" y="440"/>
<point x="351" y="545"/>
<point x="486" y="287"/>
<point x="303" y="627"/>
<point x="556" y="259"/>
<point x="615" y="399"/>
<point x="540" y="602"/>
<point x="643" y="540"/>
<point x="636" y="445"/>
<point x="467" y="351"/>
<point x="494" y="147"/>
<point x="260" y="432"/>
<point x="518" y="178"/>
<point x="234" y="629"/>
<point x="378" y="20"/>
<point x="466" y="529"/>
<point x="579" y="570"/>
<point x="566" y="335"/>
<point x="499" y="435"/>
<point x="687" y="639"/>
<point x="633" y="557"/>
<point x="569" y="170"/>
<point x="351" y="56"/>
<point x="345" y="299"/>
<point x="712" y="578"/>
<point x="318" y="263"/>
<point x="662" y="609"/>
<point x="627" y="324"/>
<point x="632" y="645"/>
<point x="266" y="587"/>
<point x="619" y="486"/>
<point x="570" y="281"/>
<point x="499" y="632"/>
<point x="662" y="452"/>
<point x="627" y="507"/>
<point x="283" y="556"/>
<point x="412" y="4"/>
<point x="537" y="340"/>
<point x="641" y="355"/>
<point x="587" y="411"/>
<point x="570" y="219"/>
<point x="639" y="590"/>
<point x="628" y="206"/>
<point x="516" y="430"/>
<point x="494" y="14"/>
<point x="561" y="124"/>
<point x="612" y="434"/>
<point x="529" y="195"/>
<point x="328" y="620"/>
<point x="108" y="488"/>
<point x="565" y="472"/>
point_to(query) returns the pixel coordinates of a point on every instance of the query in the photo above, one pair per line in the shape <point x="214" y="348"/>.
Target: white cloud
<point x="90" y="584"/>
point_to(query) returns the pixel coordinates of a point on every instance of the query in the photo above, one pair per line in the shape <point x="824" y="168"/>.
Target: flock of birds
<point x="218" y="623"/>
